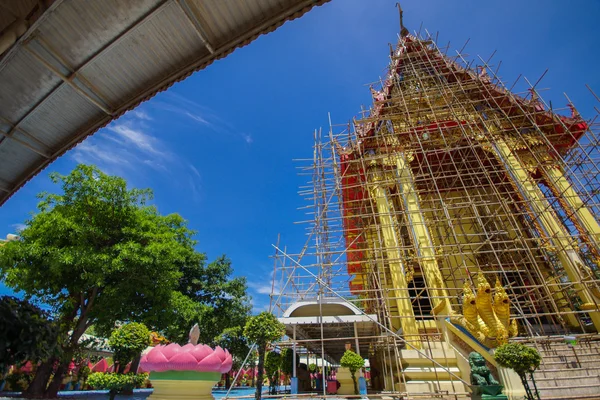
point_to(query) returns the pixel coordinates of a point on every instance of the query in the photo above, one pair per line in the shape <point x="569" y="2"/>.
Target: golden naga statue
<point x="502" y="309"/>
<point x="486" y="317"/>
<point x="470" y="318"/>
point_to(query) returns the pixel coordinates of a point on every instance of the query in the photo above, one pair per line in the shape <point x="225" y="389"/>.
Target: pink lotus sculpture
<point x="199" y="357"/>
<point x="185" y="372"/>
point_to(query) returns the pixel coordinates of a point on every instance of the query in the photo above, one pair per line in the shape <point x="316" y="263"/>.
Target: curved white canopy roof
<point x="334" y="320"/>
<point x="69" y="67"/>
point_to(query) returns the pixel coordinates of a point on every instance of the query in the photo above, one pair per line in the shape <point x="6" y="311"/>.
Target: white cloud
<point x="247" y="138"/>
<point x="139" y="114"/>
<point x="131" y="149"/>
<point x="257" y="308"/>
<point x="156" y="165"/>
<point x="261" y="287"/>
<point x="266" y="286"/>
<point x="91" y="153"/>
<point x="18" y="227"/>
<point x="194" y="170"/>
<point x="200" y="114"/>
<point x="137" y="137"/>
<point x="124" y="144"/>
<point x="194" y="189"/>
<point x="198" y="118"/>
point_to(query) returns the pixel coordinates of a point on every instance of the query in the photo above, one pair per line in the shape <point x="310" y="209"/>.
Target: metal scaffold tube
<point x="452" y="215"/>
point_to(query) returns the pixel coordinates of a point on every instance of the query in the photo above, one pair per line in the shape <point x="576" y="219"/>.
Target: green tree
<point x="26" y="333"/>
<point x="210" y="296"/>
<point x="96" y="253"/>
<point x="353" y="362"/>
<point x="233" y="340"/>
<point x="523" y="360"/>
<point x="262" y="329"/>
<point x="272" y="364"/>
<point x="127" y="343"/>
<point x="287" y="361"/>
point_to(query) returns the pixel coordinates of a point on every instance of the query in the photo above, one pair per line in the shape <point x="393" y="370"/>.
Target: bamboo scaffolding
<point x="461" y="133"/>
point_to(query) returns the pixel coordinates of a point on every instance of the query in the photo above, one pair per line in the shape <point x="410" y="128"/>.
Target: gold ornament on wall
<point x="486" y="316"/>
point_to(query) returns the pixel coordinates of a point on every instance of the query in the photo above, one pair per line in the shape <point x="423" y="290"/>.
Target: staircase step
<point x="591" y="371"/>
<point x="578" y="380"/>
<point x="569" y="364"/>
<point x="581" y="354"/>
<point x="430" y="373"/>
<point x="442" y="387"/>
<point x="425" y="380"/>
<point x="423" y="358"/>
<point x="569" y="390"/>
<point x="567" y="347"/>
<point x="568" y="371"/>
<point x="571" y="357"/>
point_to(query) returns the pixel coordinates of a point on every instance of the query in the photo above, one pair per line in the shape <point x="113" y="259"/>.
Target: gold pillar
<point x="561" y="240"/>
<point x="388" y="224"/>
<point x="422" y="238"/>
<point x="555" y="177"/>
<point x="373" y="253"/>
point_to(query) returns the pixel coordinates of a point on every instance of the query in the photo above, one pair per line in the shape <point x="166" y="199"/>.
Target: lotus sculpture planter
<point x="185" y="372"/>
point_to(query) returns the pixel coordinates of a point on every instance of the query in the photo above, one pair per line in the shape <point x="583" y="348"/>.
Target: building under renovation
<point x="452" y="216"/>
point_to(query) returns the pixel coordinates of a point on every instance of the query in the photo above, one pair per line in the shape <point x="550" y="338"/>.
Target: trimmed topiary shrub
<point x="523" y="360"/>
<point x="128" y="342"/>
<point x="353" y="362"/>
<point x="261" y="330"/>
<point x="116" y="383"/>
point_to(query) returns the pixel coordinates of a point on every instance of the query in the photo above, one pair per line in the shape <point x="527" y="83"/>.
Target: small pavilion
<point x="326" y="327"/>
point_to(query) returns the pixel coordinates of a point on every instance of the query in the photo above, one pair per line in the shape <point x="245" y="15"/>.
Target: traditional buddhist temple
<point x="452" y="216"/>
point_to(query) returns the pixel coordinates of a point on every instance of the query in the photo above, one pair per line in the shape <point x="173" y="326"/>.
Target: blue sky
<point x="218" y="147"/>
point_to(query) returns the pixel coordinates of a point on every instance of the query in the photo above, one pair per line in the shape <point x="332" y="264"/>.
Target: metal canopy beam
<point x="193" y="18"/>
<point x="91" y="59"/>
<point x="341" y="319"/>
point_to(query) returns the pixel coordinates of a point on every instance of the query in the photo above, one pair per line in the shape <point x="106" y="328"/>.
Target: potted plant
<point x="353" y="362"/>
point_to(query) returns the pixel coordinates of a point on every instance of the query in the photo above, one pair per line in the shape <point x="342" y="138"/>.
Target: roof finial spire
<point x="403" y="31"/>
